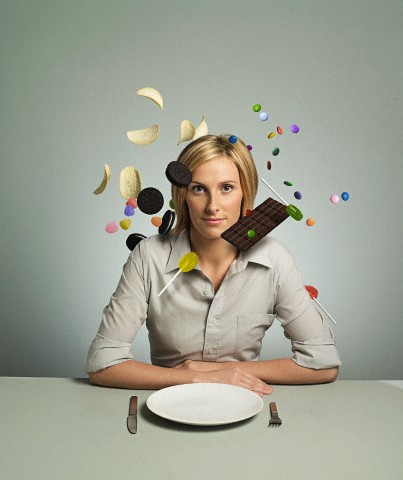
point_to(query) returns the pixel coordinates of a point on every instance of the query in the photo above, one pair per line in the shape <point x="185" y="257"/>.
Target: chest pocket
<point x="249" y="335"/>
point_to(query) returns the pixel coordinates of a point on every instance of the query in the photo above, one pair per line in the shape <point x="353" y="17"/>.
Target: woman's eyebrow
<point x="224" y="182"/>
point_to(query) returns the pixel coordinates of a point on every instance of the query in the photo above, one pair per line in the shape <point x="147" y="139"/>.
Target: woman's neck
<point x="214" y="252"/>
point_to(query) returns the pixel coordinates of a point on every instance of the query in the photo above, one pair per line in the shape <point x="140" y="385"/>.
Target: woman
<point x="209" y="324"/>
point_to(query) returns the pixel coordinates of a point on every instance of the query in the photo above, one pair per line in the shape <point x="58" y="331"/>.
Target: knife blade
<point x="132" y="417"/>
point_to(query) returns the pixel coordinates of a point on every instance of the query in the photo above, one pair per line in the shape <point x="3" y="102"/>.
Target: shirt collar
<point x="180" y="246"/>
<point x="259" y="253"/>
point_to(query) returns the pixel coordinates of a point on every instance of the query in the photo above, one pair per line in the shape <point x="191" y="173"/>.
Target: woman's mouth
<point x="213" y="221"/>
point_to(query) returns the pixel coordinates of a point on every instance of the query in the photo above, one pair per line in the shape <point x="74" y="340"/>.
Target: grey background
<point x="69" y="73"/>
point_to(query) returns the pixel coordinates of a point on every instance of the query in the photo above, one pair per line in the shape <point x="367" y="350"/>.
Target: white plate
<point x="205" y="403"/>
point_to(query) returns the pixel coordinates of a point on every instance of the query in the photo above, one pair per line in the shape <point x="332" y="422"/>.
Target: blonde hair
<point x="210" y="147"/>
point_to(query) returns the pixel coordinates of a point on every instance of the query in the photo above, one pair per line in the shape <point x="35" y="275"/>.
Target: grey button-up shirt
<point x="190" y="321"/>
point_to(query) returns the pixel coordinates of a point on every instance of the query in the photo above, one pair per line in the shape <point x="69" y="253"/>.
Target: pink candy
<point x="111" y="227"/>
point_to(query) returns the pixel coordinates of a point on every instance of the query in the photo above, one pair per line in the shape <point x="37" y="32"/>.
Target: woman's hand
<point x="229" y="373"/>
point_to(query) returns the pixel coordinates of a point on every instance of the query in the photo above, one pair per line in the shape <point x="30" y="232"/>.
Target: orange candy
<point x="156" y="221"/>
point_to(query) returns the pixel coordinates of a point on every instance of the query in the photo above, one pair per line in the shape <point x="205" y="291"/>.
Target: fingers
<point x="235" y="376"/>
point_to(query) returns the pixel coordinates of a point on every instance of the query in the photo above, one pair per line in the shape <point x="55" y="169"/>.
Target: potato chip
<point x="129" y="182"/>
<point x="152" y="94"/>
<point x="105" y="180"/>
<point x="144" y="136"/>
<point x="187" y="131"/>
<point x="201" y="130"/>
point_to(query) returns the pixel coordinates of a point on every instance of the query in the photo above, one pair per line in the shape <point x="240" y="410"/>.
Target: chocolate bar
<point x="265" y="218"/>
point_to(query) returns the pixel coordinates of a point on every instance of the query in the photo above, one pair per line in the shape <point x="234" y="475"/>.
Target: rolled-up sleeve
<point x="121" y="319"/>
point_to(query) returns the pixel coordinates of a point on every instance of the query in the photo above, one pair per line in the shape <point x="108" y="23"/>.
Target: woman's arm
<point x="137" y="375"/>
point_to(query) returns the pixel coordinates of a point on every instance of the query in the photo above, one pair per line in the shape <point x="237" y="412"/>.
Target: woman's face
<point x="214" y="198"/>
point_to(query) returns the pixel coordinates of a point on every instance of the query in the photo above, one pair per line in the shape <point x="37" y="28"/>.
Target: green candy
<point x="289" y="184"/>
<point x="257" y="107"/>
<point x="294" y="212"/>
<point x="251" y="234"/>
<point x="275" y="151"/>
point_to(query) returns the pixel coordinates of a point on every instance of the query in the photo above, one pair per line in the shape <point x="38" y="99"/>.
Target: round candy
<point x="279" y="130"/>
<point x="275" y="151"/>
<point x="289" y="184"/>
<point x="298" y="195"/>
<point x="345" y="196"/>
<point x="251" y="234"/>
<point x="178" y="174"/>
<point x="334" y="198"/>
<point x="129" y="211"/>
<point x="233" y="139"/>
<point x="156" y="221"/>
<point x="248" y="212"/>
<point x="263" y="116"/>
<point x="249" y="147"/>
<point x="125" y="223"/>
<point x="132" y="202"/>
<point x="133" y="240"/>
<point x="294" y="212"/>
<point x="171" y="203"/>
<point x="188" y="262"/>
<point x="310" y="222"/>
<point x="313" y="293"/>
<point x="111" y="227"/>
<point x="294" y="128"/>
<point x="150" y="200"/>
<point x="168" y="220"/>
<point x="257" y="107"/>
<point x="268" y="165"/>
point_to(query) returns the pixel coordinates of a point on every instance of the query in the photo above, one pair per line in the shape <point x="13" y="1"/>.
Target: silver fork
<point x="275" y="420"/>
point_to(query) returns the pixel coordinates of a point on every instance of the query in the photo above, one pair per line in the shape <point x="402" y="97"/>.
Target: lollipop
<point x="313" y="293"/>
<point x="186" y="263"/>
<point x="292" y="210"/>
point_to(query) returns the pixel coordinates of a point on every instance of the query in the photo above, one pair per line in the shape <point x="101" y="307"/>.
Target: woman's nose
<point x="213" y="204"/>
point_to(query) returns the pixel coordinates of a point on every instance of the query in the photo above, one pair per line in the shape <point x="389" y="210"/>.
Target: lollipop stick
<point x="275" y="193"/>
<point x="169" y="283"/>
<point x="327" y="313"/>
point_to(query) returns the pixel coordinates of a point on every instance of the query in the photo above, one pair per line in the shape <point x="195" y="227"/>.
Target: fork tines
<point x="275" y="420"/>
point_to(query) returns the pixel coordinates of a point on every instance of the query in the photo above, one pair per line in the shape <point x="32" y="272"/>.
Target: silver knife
<point x="132" y="417"/>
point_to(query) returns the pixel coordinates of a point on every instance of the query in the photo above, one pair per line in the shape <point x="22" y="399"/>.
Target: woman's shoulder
<point x="154" y="246"/>
<point x="269" y="251"/>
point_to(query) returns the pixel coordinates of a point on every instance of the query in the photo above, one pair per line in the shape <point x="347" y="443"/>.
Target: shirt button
<point x="205" y="292"/>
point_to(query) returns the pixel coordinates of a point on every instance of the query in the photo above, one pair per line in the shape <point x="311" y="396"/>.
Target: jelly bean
<point x="251" y="233"/>
<point x="310" y="222"/>
<point x="132" y="202"/>
<point x="257" y="107"/>
<point x="298" y="195"/>
<point x="248" y="212"/>
<point x="129" y="211"/>
<point x="268" y="165"/>
<point x="345" y="196"/>
<point x="279" y="130"/>
<point x="294" y="212"/>
<point x="111" y="227"/>
<point x="334" y="198"/>
<point x="125" y="223"/>
<point x="271" y="135"/>
<point x="171" y="203"/>
<point x="294" y="128"/>
<point x="249" y="147"/>
<point x="188" y="262"/>
<point x="156" y="221"/>
<point x="289" y="184"/>
<point x="263" y="116"/>
<point x="275" y="151"/>
<point x="233" y="139"/>
<point x="313" y="293"/>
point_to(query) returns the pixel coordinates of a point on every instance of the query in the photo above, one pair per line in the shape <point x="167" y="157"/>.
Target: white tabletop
<point x="67" y="429"/>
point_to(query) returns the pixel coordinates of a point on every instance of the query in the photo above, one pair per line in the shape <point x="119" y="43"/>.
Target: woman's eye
<point x="227" y="188"/>
<point x="198" y="189"/>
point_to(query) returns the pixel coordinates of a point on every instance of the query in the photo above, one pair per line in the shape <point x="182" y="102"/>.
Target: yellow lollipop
<point x="186" y="263"/>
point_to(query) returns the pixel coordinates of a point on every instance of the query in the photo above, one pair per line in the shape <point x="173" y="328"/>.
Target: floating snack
<point x="298" y="195"/>
<point x="279" y="130"/>
<point x="133" y="240"/>
<point x="310" y="222"/>
<point x="294" y="128"/>
<point x="334" y="198"/>
<point x="145" y="136"/>
<point x="201" y="130"/>
<point x="125" y="223"/>
<point x="132" y="202"/>
<point x="233" y="139"/>
<point x="167" y="223"/>
<point x="187" y="131"/>
<point x="111" y="227"/>
<point x="275" y="151"/>
<point x="129" y="211"/>
<point x="345" y="196"/>
<point x="156" y="221"/>
<point x="249" y="147"/>
<point x="129" y="182"/>
<point x="263" y="219"/>
<point x="150" y="200"/>
<point x="248" y="212"/>
<point x="251" y="233"/>
<point x="178" y="174"/>
<point x="186" y="263"/>
<point x="263" y="116"/>
<point x="257" y="107"/>
<point x="152" y="94"/>
<point x="171" y="203"/>
<point x="268" y="165"/>
<point x="294" y="212"/>
<point x="289" y="184"/>
<point x="313" y="293"/>
<point x="271" y="135"/>
<point x="105" y="180"/>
